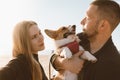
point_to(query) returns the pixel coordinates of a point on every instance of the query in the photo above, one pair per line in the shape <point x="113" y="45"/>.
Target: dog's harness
<point x="73" y="46"/>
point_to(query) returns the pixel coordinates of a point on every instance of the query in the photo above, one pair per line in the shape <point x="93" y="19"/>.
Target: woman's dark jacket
<point x="18" y="69"/>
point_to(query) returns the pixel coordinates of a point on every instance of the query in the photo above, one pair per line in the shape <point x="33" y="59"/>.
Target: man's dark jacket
<point x="106" y="68"/>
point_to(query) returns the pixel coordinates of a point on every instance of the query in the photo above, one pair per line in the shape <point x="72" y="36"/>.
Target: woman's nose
<point x="41" y="37"/>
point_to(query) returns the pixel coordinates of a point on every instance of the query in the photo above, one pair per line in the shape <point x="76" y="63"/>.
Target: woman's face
<point x="37" y="39"/>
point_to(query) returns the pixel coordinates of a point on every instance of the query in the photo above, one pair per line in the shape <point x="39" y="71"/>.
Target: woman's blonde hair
<point x="22" y="45"/>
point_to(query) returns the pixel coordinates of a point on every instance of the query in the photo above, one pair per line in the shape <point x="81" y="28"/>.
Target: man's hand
<point x="73" y="64"/>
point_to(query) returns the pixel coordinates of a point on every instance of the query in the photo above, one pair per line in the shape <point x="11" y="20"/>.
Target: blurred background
<point x="49" y="14"/>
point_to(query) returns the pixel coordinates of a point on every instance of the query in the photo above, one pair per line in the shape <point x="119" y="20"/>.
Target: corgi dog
<point x="67" y="44"/>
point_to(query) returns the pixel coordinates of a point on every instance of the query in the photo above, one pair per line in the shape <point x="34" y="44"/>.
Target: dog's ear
<point x="52" y="34"/>
<point x="74" y="27"/>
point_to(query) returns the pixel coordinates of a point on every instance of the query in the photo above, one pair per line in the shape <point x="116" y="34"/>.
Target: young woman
<point x="27" y="41"/>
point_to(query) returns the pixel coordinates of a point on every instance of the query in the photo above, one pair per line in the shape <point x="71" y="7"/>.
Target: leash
<point x="49" y="70"/>
<point x="52" y="58"/>
<point x="51" y="61"/>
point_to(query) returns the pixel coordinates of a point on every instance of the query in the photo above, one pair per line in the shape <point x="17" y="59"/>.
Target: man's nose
<point x="82" y="21"/>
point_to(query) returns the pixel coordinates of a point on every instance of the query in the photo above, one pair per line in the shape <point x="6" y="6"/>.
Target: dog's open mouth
<point x="67" y="34"/>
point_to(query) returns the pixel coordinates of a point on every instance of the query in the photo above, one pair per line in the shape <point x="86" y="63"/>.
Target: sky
<point x="49" y="14"/>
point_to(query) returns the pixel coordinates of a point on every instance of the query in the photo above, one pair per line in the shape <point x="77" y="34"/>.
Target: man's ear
<point x="104" y="26"/>
<point x="52" y="34"/>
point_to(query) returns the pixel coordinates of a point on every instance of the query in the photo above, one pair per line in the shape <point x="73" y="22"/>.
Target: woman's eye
<point x="35" y="36"/>
<point x="39" y="33"/>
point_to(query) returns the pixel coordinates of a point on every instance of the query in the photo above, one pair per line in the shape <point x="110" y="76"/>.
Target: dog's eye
<point x="64" y="28"/>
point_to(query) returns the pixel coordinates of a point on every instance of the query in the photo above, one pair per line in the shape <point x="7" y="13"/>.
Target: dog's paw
<point x="87" y="56"/>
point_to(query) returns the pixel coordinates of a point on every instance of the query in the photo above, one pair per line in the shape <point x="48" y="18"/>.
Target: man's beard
<point x="90" y="36"/>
